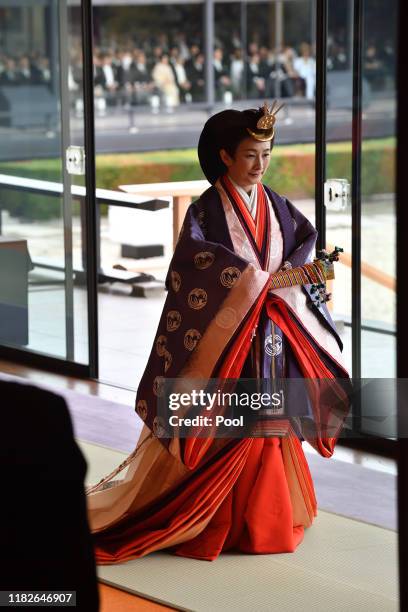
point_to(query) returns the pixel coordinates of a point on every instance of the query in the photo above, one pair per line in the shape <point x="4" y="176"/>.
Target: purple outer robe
<point x="196" y="292"/>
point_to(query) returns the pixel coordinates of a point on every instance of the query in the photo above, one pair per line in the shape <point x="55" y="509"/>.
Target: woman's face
<point x="249" y="163"/>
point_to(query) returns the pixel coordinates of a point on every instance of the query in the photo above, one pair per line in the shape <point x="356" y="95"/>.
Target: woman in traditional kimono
<point x="199" y="496"/>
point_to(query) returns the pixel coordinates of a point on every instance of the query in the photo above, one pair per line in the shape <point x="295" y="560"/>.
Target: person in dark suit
<point x="24" y="72"/>
<point x="255" y="78"/>
<point x="9" y="75"/>
<point x="221" y="74"/>
<point x="141" y="79"/>
<point x="41" y="72"/>
<point x="99" y="75"/>
<point x="44" y="533"/>
<point x="195" y="73"/>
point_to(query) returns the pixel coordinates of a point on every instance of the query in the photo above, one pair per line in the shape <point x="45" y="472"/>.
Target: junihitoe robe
<point x="201" y="496"/>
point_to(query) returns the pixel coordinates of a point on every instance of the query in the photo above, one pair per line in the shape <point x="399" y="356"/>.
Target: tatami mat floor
<point x="342" y="564"/>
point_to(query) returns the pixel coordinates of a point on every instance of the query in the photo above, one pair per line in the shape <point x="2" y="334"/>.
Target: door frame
<point x="91" y="209"/>
<point x="402" y="302"/>
<point x="57" y="364"/>
<point x="364" y="442"/>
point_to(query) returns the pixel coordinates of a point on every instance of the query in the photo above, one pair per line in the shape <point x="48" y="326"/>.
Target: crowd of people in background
<point x="24" y="70"/>
<point x="165" y="71"/>
<point x="169" y="73"/>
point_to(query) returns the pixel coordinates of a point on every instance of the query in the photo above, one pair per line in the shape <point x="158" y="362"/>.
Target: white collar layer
<point x="250" y="199"/>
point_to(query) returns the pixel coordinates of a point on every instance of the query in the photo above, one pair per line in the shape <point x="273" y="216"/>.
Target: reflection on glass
<point x="147" y="59"/>
<point x="261" y="50"/>
<point x="378" y="250"/>
<point x="338" y="233"/>
<point x="75" y="208"/>
<point x="339" y="156"/>
<point x="143" y="57"/>
<point x="377" y="181"/>
<point x="377" y="178"/>
<point x="139" y="241"/>
<point x="39" y="306"/>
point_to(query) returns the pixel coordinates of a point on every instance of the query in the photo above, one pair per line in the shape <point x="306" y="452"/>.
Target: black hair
<point x="251" y="117"/>
<point x="225" y="130"/>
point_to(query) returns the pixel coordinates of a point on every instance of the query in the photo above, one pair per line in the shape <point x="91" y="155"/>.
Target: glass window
<point x="378" y="249"/>
<point x="43" y="298"/>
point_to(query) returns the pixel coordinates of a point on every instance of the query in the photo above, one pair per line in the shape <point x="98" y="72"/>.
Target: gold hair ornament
<point x="266" y="123"/>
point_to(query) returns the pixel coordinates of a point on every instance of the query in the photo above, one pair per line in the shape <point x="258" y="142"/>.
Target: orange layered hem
<point x="242" y="498"/>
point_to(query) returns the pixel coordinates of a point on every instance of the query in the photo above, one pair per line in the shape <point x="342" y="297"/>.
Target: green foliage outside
<point x="291" y="172"/>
